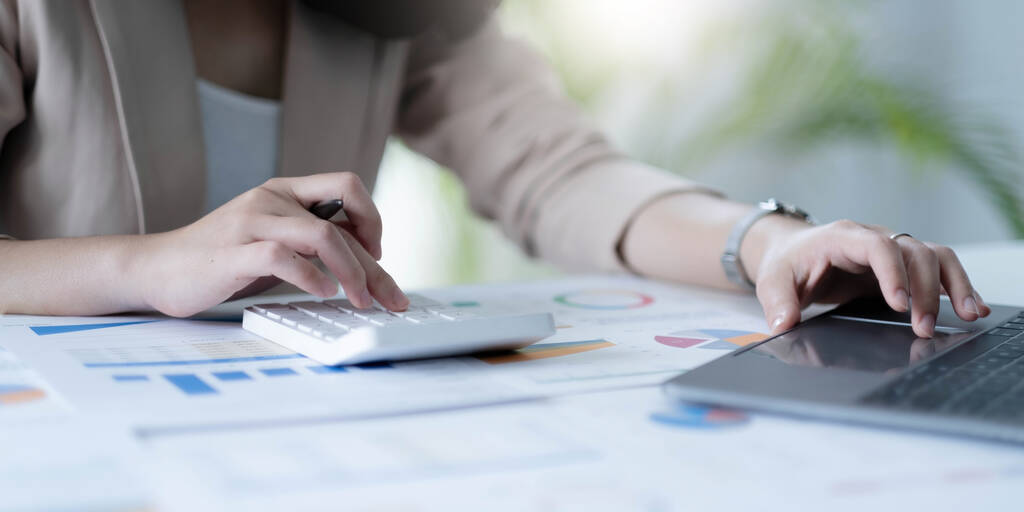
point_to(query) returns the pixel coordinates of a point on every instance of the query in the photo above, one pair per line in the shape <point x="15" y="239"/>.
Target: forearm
<point x="681" y="238"/>
<point x="70" y="276"/>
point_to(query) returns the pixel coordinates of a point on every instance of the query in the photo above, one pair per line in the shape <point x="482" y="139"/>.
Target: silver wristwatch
<point x="731" y="257"/>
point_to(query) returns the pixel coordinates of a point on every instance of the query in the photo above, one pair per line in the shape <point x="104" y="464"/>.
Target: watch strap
<point x="731" y="262"/>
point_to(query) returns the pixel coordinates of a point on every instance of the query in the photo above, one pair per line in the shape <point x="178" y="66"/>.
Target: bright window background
<point x="655" y="74"/>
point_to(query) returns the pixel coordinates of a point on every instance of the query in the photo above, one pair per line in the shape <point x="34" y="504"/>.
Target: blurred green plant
<point x="809" y="85"/>
<point x="804" y="83"/>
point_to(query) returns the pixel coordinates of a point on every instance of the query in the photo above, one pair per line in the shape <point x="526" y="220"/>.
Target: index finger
<point x="359" y="207"/>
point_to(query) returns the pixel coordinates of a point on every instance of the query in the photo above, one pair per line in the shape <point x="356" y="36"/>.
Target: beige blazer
<point x="100" y="129"/>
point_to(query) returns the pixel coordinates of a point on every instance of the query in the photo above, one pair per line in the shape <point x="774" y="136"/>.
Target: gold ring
<point x="894" y="236"/>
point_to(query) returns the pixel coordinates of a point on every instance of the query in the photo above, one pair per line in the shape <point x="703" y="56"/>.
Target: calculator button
<point x="365" y="314"/>
<point x="421" y="301"/>
<point x="386" y="320"/>
<point x="411" y="311"/>
<point x="331" y="316"/>
<point x="340" y="324"/>
<point x="379" y="307"/>
<point x="292" y="316"/>
<point x="313" y="308"/>
<point x="377" y="317"/>
<point x="350" y="323"/>
<point x="342" y="304"/>
<point x="425" y="318"/>
<point x="453" y="314"/>
<point x="266" y="308"/>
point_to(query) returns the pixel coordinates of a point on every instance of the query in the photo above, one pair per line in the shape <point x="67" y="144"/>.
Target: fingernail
<point x="902" y="299"/>
<point x="366" y="299"/>
<point x="982" y="305"/>
<point x="778" y="321"/>
<point x="399" y="300"/>
<point x="971" y="305"/>
<point x="927" y="324"/>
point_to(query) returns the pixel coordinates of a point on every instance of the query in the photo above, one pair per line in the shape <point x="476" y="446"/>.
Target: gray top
<point x="241" y="134"/>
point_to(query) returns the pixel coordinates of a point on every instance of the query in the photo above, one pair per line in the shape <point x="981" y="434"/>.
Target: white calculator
<point x="335" y="332"/>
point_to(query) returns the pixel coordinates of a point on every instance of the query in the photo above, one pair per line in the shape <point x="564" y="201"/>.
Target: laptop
<point x="862" y="363"/>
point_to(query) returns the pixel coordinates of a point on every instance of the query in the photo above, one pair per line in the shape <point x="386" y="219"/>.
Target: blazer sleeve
<point x="489" y="108"/>
<point x="12" y="98"/>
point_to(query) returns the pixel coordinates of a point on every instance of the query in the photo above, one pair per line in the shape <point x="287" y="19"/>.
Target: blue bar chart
<point x="229" y="376"/>
<point x="190" y="384"/>
<point x="131" y="378"/>
<point x="205" y="383"/>
<point x="278" y="372"/>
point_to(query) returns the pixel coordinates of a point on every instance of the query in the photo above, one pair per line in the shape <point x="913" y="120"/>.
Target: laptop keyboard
<point x="989" y="384"/>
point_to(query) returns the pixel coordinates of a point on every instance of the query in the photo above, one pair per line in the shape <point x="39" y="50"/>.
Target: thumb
<point x="777" y="293"/>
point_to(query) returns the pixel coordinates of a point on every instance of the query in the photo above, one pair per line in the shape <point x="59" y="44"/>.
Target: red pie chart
<point x="714" y="339"/>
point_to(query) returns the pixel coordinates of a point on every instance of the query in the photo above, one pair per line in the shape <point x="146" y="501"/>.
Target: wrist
<point x="680" y="237"/>
<point x="136" y="264"/>
<point x="764" y="236"/>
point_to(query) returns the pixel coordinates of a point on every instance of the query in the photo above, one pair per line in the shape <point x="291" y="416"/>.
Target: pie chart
<point x="713" y="339"/>
<point x="700" y="417"/>
<point x="604" y="299"/>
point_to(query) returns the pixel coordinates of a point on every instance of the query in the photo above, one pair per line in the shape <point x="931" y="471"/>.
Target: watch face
<point x="791" y="210"/>
<point x="771" y="205"/>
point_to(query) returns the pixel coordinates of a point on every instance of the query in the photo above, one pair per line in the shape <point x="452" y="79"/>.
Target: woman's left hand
<point x="837" y="262"/>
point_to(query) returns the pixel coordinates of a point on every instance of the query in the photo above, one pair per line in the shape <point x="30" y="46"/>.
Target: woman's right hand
<point x="268" y="231"/>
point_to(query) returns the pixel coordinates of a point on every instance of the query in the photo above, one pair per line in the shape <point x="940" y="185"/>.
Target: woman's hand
<point x="268" y="231"/>
<point x="680" y="237"/>
<point x="843" y="260"/>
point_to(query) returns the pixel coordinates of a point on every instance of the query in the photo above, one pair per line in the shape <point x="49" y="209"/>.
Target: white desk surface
<point x="598" y="450"/>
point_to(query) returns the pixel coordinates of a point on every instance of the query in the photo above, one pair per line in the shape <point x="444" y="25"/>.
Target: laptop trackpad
<point x="854" y="343"/>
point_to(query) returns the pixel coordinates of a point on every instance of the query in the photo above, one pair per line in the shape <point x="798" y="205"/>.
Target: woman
<point x="127" y="126"/>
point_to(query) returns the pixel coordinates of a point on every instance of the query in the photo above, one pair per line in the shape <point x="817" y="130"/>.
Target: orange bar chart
<point x="20" y="394"/>
<point x="547" y="350"/>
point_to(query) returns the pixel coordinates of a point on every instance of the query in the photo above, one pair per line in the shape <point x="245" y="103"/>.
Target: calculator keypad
<point x="332" y="319"/>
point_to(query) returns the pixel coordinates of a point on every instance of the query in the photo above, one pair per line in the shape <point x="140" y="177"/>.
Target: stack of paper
<point x="139" y="411"/>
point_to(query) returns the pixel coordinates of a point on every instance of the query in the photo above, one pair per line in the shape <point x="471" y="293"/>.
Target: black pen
<point x="327" y="209"/>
